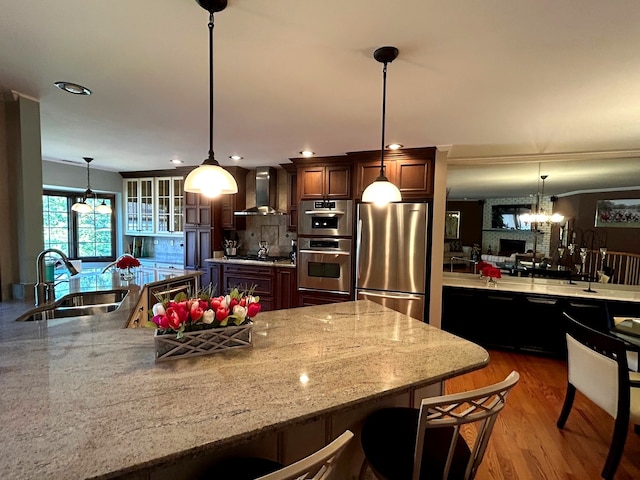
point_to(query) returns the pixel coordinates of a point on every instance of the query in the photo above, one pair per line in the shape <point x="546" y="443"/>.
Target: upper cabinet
<point x="235" y="202"/>
<point x="292" y="197"/>
<point x="139" y="202"/>
<point x="197" y="210"/>
<point x="169" y="205"/>
<point x="324" y="182"/>
<point x="411" y="170"/>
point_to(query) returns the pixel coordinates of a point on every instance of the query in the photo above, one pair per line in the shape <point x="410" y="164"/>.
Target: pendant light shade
<point x="382" y="191"/>
<point x="103" y="208"/>
<point x="210" y="179"/>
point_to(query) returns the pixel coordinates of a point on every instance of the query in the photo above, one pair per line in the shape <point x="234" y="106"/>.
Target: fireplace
<point x="507" y="247"/>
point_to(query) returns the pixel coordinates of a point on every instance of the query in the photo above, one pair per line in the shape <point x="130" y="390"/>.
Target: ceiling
<point x="481" y="79"/>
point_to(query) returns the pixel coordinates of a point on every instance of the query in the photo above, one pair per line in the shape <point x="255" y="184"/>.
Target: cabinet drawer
<point x="264" y="286"/>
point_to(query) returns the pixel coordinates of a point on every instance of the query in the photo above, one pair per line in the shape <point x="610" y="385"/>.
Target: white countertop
<point x="545" y="286"/>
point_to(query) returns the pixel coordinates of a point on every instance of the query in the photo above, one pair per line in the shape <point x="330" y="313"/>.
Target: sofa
<point x="454" y="250"/>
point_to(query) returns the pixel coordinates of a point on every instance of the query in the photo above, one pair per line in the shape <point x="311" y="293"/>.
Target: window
<point x="83" y="236"/>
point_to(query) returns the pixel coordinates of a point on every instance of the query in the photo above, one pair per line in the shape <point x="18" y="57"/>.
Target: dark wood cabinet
<point x="286" y="288"/>
<point x="292" y="197"/>
<point x="521" y="321"/>
<point x="410" y="170"/>
<point x="321" y="182"/>
<point x="197" y="210"/>
<point x="232" y="203"/>
<point x="215" y="277"/>
<point x="246" y="276"/>
<point x="276" y="286"/>
<point x="197" y="247"/>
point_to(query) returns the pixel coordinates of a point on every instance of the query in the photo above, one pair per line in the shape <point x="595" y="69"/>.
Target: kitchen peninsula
<point x="524" y="313"/>
<point x="83" y="398"/>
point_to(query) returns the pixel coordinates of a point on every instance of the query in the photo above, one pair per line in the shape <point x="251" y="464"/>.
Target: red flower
<point x="492" y="272"/>
<point x="127" y="261"/>
<point x="253" y="309"/>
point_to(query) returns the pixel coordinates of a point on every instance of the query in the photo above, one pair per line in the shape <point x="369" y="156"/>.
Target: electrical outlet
<point x="155" y="242"/>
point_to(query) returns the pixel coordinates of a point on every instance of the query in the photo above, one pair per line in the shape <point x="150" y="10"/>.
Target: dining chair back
<point x="317" y="466"/>
<point x="597" y="367"/>
<point x="320" y="465"/>
<point x="445" y="438"/>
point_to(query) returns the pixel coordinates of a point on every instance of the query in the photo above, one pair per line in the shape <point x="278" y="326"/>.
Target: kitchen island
<point x="84" y="398"/>
<point x="524" y="313"/>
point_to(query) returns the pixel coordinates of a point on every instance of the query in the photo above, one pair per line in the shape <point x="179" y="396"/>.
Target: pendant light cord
<point x="384" y="114"/>
<point x="211" y="156"/>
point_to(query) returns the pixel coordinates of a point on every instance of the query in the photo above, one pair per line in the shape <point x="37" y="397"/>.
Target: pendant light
<point x="210" y="179"/>
<point x="83" y="206"/>
<point x="382" y="191"/>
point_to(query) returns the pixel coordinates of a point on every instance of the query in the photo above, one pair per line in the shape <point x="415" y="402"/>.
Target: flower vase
<point x="492" y="282"/>
<point x="127" y="274"/>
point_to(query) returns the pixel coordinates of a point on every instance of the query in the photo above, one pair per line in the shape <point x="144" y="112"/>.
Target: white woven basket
<point x="202" y="342"/>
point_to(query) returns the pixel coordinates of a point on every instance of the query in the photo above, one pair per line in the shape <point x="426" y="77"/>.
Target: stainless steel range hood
<point x="266" y="194"/>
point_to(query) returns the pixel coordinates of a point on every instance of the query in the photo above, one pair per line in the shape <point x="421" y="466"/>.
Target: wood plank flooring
<point x="526" y="444"/>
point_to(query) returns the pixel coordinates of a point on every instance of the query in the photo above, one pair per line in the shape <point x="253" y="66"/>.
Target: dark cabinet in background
<point x="235" y="202"/>
<point x="197" y="247"/>
<point x="292" y="197"/>
<point x="410" y="170"/>
<point x="324" y="182"/>
<point x="197" y="210"/>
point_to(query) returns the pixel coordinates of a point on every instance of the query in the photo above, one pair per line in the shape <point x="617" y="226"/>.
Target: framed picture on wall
<point x="620" y="213"/>
<point x="452" y="225"/>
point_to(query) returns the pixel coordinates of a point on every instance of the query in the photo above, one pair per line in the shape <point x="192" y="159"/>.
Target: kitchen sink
<point x="92" y="298"/>
<point x="77" y="305"/>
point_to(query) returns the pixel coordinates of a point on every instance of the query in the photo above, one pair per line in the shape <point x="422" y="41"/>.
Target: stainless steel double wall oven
<point x="325" y="240"/>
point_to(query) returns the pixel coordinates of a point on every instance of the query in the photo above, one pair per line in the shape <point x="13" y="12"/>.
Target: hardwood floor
<point x="526" y="444"/>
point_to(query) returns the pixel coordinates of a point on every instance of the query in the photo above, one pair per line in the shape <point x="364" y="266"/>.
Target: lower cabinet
<point x="286" y="288"/>
<point x="244" y="277"/>
<point x="197" y="247"/>
<point x="276" y="286"/>
<point x="520" y="321"/>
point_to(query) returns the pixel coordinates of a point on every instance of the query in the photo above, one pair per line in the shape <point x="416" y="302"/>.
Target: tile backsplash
<point x="161" y="249"/>
<point x="270" y="228"/>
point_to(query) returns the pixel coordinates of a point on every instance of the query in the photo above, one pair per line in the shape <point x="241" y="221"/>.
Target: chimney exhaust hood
<point x="266" y="194"/>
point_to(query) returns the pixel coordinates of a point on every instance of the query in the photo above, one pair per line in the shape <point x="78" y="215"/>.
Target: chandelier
<point x="539" y="215"/>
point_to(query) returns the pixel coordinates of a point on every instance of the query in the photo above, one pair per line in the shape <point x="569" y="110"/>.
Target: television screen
<point x="508" y="217"/>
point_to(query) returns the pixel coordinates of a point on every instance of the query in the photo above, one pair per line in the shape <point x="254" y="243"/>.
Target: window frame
<point x="73" y="197"/>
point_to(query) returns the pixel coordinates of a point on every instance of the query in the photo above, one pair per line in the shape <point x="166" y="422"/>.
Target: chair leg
<point x="566" y="407"/>
<point x="617" y="446"/>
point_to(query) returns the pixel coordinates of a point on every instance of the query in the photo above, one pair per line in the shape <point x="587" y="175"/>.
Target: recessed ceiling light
<point x="235" y="157"/>
<point x="394" y="146"/>
<point x="176" y="161"/>
<point x="74" y="88"/>
<point x="307" y="153"/>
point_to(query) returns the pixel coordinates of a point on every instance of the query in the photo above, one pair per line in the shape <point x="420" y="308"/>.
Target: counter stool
<point x="317" y="466"/>
<point x="444" y="439"/>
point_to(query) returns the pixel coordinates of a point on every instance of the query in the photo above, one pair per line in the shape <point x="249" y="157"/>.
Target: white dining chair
<point x="597" y="367"/>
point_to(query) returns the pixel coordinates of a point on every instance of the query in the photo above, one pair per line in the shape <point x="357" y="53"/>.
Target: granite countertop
<point x="545" y="286"/>
<point x="261" y="263"/>
<point x="84" y="398"/>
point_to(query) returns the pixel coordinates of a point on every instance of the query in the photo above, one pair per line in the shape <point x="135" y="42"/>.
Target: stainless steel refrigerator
<point x="391" y="256"/>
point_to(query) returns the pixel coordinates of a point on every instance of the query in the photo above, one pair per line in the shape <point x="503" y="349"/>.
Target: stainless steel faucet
<point x="45" y="292"/>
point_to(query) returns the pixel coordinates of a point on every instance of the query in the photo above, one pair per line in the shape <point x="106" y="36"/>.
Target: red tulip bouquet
<point x="183" y="314"/>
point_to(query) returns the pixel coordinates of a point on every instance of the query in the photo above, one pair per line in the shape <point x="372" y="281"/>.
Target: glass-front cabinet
<point x="169" y="206"/>
<point x="139" y="206"/>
